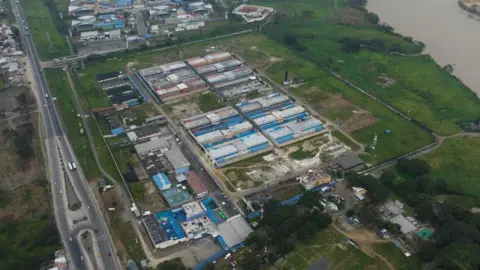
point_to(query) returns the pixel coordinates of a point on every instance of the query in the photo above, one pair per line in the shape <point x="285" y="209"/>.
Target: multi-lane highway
<point x="59" y="151"/>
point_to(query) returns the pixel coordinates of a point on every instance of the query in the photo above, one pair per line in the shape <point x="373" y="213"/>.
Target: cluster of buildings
<point x="219" y="71"/>
<point x="280" y="119"/>
<point x="172" y="80"/>
<point x="225" y="136"/>
<point x="170" y="16"/>
<point x="194" y="220"/>
<point x="228" y="135"/>
<point x="393" y="212"/>
<point x="121" y="91"/>
<point x="9" y="53"/>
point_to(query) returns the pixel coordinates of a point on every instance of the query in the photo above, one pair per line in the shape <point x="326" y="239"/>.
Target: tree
<point x="309" y="199"/>
<point x="209" y="266"/>
<point x="456" y="231"/>
<point x="459" y="256"/>
<point x="350" y="213"/>
<point x="285" y="247"/>
<point x="426" y="185"/>
<point x="357" y="2"/>
<point x="372" y="18"/>
<point x="376" y="190"/>
<point x="428" y="252"/>
<point x="290" y="40"/>
<point x="251" y="261"/>
<point x="257" y="239"/>
<point x="308" y="14"/>
<point x="413" y="167"/>
<point x="393" y="228"/>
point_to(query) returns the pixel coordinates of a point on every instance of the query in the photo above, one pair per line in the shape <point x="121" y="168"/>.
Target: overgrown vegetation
<point x="371" y="56"/>
<point x="47" y="28"/>
<point x="27" y="230"/>
<point x="281" y="228"/>
<point x="457" y="236"/>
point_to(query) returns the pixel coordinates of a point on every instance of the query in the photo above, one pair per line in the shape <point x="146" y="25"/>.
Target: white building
<point x="252" y="13"/>
<point x="89" y="35"/>
<point x="193" y="210"/>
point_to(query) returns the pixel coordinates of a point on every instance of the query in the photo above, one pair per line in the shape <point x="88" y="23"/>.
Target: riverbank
<point x="448" y="32"/>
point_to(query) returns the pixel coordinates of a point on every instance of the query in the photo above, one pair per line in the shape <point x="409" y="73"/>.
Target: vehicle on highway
<point x="46" y="95"/>
<point x="74" y="166"/>
<point x="70" y="167"/>
<point x="61" y="191"/>
<point x="81" y="258"/>
<point x="70" y="239"/>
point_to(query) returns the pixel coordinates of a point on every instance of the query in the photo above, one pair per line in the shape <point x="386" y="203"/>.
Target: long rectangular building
<point x="280" y="119"/>
<point x="172" y="80"/>
<point x="225" y="136"/>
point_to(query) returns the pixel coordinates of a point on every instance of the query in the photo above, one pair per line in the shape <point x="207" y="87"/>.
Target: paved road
<point x="59" y="151"/>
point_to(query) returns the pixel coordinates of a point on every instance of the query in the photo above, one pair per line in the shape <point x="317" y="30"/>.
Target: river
<point x="450" y="34"/>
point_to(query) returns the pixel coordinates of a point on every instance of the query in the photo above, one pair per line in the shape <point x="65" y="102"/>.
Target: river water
<point x="450" y="34"/>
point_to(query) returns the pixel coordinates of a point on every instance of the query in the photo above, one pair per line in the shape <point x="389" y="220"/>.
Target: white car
<point x="81" y="258"/>
<point x="61" y="191"/>
<point x="70" y="239"/>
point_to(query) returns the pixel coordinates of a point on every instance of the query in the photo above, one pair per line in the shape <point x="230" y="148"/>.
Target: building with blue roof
<point x="225" y="136"/>
<point x="161" y="181"/>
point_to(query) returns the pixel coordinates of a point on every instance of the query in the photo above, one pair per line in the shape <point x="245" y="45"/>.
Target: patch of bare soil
<point x="360" y="118"/>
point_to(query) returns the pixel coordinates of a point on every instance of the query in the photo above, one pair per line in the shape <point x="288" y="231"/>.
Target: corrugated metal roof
<point x="177" y="159"/>
<point x="244" y="126"/>
<point x="300" y="126"/>
<point x="161" y="181"/>
<point x="265" y="119"/>
<point x="279" y="132"/>
<point x="254" y="140"/>
<point x="222" y="151"/>
<point x="210" y="137"/>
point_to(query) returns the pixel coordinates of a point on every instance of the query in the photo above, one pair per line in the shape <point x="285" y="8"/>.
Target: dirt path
<point x="365" y="244"/>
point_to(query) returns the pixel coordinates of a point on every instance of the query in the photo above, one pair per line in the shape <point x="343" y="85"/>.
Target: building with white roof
<point x="193" y="210"/>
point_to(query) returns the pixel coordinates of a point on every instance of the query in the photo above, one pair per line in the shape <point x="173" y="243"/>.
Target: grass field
<point x="49" y="42"/>
<point x="58" y="83"/>
<point x="416" y="85"/>
<point x="328" y="250"/>
<point x="456" y="163"/>
<point x="321" y="9"/>
<point x="397" y="258"/>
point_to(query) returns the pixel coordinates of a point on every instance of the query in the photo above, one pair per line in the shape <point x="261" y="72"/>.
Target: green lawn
<point x="58" y="83"/>
<point x="456" y="162"/>
<point x="49" y="42"/>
